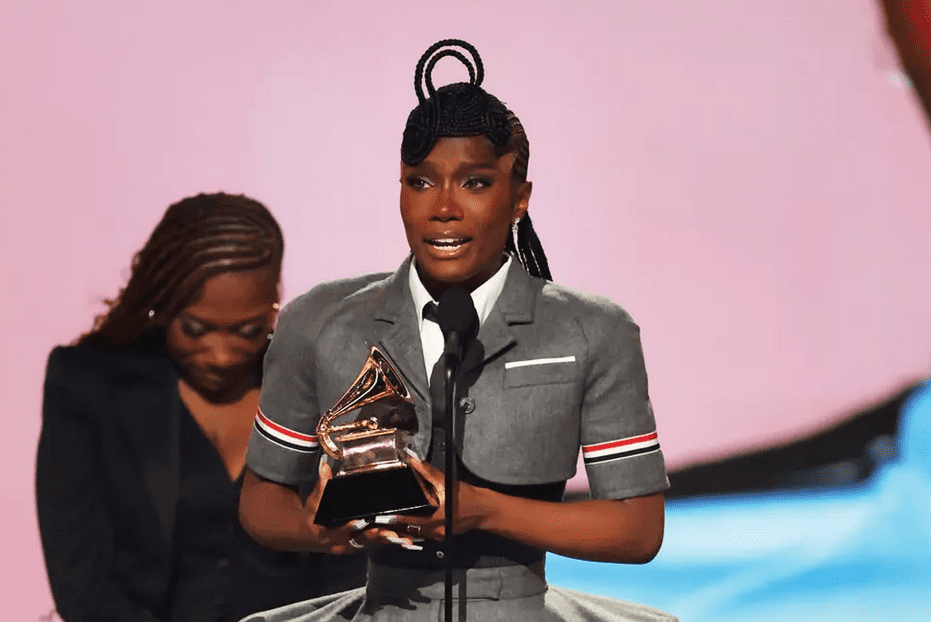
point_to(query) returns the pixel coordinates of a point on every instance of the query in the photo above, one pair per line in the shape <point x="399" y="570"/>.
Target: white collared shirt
<point x="484" y="298"/>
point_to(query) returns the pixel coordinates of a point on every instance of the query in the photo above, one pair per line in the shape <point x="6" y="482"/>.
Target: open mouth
<point x="447" y="245"/>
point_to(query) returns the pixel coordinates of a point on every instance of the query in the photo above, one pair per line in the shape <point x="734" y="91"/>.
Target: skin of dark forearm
<point x="275" y="517"/>
<point x="624" y="531"/>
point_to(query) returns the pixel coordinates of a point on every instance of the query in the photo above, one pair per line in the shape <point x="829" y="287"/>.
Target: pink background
<point x="750" y="180"/>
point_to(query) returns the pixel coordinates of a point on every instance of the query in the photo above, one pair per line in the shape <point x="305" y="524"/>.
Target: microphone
<point x="458" y="320"/>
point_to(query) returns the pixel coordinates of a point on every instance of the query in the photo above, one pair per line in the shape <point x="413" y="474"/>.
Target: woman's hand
<point x="353" y="536"/>
<point x="613" y="530"/>
<point x="471" y="508"/>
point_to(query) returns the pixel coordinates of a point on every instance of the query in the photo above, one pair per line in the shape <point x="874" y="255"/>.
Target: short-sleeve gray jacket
<point x="558" y="370"/>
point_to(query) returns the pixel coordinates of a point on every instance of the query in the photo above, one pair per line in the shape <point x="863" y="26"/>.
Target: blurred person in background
<point x="145" y="422"/>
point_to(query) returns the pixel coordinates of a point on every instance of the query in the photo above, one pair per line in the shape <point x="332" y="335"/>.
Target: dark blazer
<point x="107" y="479"/>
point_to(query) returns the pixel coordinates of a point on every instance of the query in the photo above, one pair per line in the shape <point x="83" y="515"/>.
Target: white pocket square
<point x="547" y="361"/>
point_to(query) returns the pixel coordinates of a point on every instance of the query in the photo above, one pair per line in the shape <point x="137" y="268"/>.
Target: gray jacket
<point x="555" y="370"/>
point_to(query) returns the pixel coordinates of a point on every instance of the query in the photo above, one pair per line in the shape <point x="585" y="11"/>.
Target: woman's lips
<point x="213" y="378"/>
<point x="447" y="245"/>
<point x="208" y="380"/>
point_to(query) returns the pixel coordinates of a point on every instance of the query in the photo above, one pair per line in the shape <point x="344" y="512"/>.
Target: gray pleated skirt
<point x="513" y="593"/>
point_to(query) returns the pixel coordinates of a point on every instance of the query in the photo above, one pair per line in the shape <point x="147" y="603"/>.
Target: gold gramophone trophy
<point x="373" y="476"/>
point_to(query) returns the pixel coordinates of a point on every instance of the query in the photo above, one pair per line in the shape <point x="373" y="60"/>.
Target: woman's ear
<point x="522" y="199"/>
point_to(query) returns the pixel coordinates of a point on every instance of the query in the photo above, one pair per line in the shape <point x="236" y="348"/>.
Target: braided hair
<point x="466" y="109"/>
<point x="198" y="237"/>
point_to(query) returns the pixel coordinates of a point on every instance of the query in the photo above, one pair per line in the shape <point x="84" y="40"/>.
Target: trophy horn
<point x="378" y="380"/>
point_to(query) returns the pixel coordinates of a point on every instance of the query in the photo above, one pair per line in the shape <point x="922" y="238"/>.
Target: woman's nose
<point x="220" y="355"/>
<point x="445" y="207"/>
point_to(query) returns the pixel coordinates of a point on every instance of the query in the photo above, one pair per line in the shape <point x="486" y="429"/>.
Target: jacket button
<point x="467" y="404"/>
<point x="441" y="444"/>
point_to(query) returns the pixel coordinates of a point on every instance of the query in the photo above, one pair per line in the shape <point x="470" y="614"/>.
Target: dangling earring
<point x="514" y="227"/>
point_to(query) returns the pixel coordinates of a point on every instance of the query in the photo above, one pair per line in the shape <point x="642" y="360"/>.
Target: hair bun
<point x="458" y="109"/>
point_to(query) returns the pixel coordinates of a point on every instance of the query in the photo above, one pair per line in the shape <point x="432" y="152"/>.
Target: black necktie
<point x="437" y="455"/>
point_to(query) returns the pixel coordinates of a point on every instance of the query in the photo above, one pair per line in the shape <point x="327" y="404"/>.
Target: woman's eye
<point x="476" y="183"/>
<point x="193" y="329"/>
<point x="251" y="331"/>
<point x="418" y="183"/>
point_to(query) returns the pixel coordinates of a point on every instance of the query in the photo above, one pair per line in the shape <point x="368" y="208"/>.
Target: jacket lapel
<point x="515" y="305"/>
<point x="396" y="322"/>
<point x="149" y="407"/>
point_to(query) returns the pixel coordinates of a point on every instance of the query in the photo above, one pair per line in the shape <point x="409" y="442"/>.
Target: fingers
<point x="399" y="532"/>
<point x="406" y="543"/>
<point x="410" y="535"/>
<point x="414" y="528"/>
<point x="313" y="499"/>
<point x="432" y="476"/>
<point x="325" y="471"/>
<point x="357" y="535"/>
<point x="426" y="470"/>
<point x="362" y="534"/>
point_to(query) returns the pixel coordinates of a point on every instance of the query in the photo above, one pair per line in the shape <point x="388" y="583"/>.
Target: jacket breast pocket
<point x="537" y="371"/>
<point x="529" y="432"/>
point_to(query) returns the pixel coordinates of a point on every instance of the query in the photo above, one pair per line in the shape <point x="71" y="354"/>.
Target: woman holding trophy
<point x="549" y="371"/>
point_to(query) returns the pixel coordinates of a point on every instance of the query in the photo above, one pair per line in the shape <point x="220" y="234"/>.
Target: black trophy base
<point x="364" y="495"/>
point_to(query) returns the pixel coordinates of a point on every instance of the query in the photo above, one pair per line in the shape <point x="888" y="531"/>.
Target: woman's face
<point x="457" y="206"/>
<point x="218" y="340"/>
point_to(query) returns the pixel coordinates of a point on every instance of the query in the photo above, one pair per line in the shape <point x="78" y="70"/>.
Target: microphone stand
<point x="459" y="323"/>
<point x="451" y="369"/>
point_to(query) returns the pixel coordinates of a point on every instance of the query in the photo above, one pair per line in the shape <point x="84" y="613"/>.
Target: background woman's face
<point x="457" y="206"/>
<point x="218" y="340"/>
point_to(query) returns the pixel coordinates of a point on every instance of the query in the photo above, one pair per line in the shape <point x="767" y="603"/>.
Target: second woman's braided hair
<point x="466" y="109"/>
<point x="197" y="238"/>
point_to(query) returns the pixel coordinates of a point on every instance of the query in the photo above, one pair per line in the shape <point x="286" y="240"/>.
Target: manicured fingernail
<point x="386" y="519"/>
<point x="411" y="453"/>
<point x="359" y="525"/>
<point x="410" y="546"/>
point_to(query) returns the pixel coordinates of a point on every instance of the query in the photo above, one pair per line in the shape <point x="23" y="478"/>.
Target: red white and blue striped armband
<point x="284" y="437"/>
<point x="620" y="449"/>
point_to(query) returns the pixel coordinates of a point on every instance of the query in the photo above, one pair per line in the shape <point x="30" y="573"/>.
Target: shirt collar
<point x="484" y="297"/>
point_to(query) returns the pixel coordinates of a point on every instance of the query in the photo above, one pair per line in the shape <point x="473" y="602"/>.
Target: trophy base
<point x="364" y="495"/>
